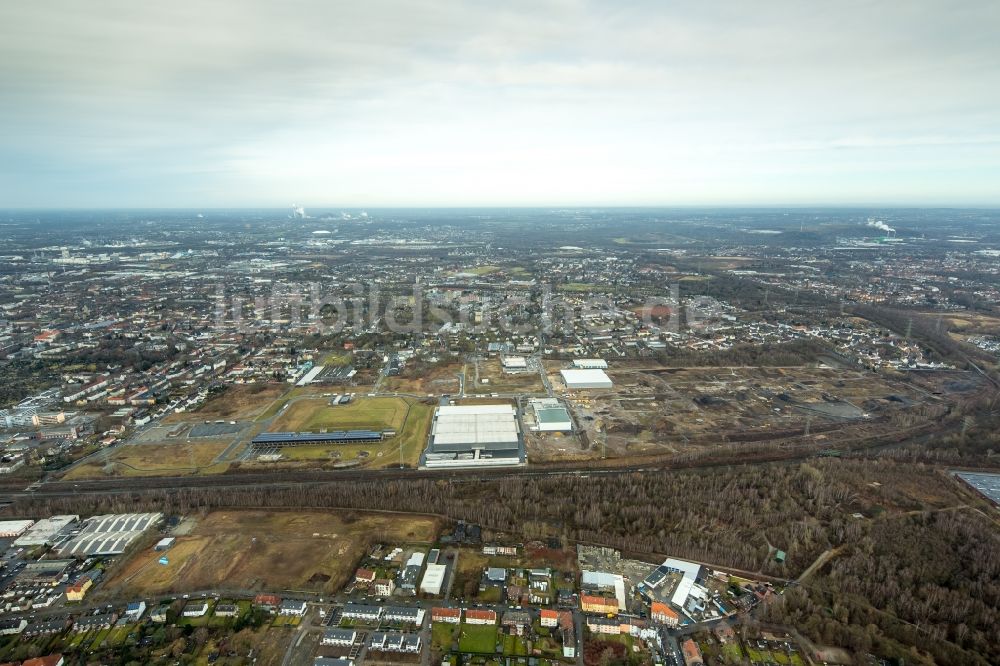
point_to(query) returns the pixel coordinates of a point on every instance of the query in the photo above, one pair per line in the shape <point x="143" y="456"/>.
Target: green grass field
<point x="442" y="634"/>
<point x="408" y="417"/>
<point x="313" y="415"/>
<point x="478" y="638"/>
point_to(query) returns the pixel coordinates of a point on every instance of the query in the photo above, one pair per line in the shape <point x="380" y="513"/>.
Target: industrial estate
<point x="426" y="438"/>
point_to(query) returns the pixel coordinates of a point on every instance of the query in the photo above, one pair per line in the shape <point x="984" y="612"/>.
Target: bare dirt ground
<point x="273" y="551"/>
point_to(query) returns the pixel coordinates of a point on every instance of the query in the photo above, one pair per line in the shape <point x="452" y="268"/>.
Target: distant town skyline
<point x="550" y="103"/>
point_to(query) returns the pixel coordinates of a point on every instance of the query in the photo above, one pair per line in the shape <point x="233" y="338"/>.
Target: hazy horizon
<point x="563" y="103"/>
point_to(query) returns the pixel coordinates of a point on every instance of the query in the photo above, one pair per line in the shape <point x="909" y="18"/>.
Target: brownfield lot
<point x="240" y="401"/>
<point x="167" y="459"/>
<point x="502" y="382"/>
<point x="654" y="409"/>
<point x="268" y="550"/>
<point x="422" y="378"/>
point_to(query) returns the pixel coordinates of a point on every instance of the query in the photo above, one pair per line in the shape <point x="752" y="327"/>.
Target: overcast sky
<point x="321" y="102"/>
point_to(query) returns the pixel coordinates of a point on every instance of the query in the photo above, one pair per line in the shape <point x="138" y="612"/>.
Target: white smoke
<point x="880" y="225"/>
<point x="298" y="212"/>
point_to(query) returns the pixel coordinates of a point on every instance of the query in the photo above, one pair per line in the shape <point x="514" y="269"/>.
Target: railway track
<point x="277" y="480"/>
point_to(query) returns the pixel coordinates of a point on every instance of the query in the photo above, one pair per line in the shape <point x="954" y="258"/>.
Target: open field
<point x="422" y="378"/>
<point x="653" y="409"/>
<point x="274" y="551"/>
<point x="170" y="458"/>
<point x="315" y="414"/>
<point x="502" y="382"/>
<point x="410" y="418"/>
<point x="237" y="402"/>
<point x="477" y="638"/>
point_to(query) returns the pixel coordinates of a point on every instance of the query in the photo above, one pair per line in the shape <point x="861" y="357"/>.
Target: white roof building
<point x="590" y="364"/>
<point x="433" y="579"/>
<point x="474" y="426"/>
<point x="45" y="530"/>
<point x="605" y="580"/>
<point x="515" y="363"/>
<point x="14" y="528"/>
<point x="109" y="534"/>
<point x="689" y="574"/>
<point x="585" y="379"/>
<point x="471" y="435"/>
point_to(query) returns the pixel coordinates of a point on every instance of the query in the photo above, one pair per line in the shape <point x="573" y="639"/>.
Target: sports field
<point x="409" y="418"/>
<point x="315" y="414"/>
<point x="273" y="551"/>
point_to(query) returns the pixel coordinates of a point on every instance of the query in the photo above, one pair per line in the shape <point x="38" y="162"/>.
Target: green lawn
<point x="490" y="594"/>
<point x="119" y="634"/>
<point x="99" y="638"/>
<point x="515" y="646"/>
<point x="442" y="634"/>
<point x="479" y="638"/>
<point x="313" y="415"/>
<point x="732" y="651"/>
<point x="410" y="419"/>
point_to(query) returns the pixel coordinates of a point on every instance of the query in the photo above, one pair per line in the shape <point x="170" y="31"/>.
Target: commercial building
<point x="550" y="416"/>
<point x="473" y="436"/>
<point x="576" y="379"/>
<point x="110" y="534"/>
<point x="590" y="364"/>
<point x="46" y="531"/>
<point x="10" y="529"/>
<point x="690" y="572"/>
<point x="279" y="439"/>
<point x="433" y="579"/>
<point x="603" y="581"/>
<point x="514" y="363"/>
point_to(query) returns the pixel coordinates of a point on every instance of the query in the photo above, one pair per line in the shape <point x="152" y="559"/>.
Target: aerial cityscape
<point x="541" y="335"/>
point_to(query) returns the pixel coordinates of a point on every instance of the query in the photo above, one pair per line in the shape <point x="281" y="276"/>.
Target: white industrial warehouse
<point x="110" y="534"/>
<point x="474" y="435"/>
<point x="590" y="364"/>
<point x="550" y="416"/>
<point x="588" y="378"/>
<point x="433" y="579"/>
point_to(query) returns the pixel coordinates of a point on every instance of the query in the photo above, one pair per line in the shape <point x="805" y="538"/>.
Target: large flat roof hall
<point x="473" y="436"/>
